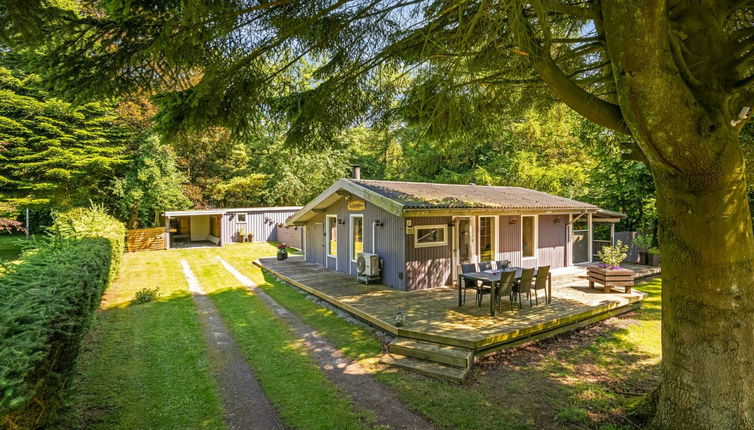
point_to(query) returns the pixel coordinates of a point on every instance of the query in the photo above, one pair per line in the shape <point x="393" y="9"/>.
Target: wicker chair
<point x="541" y="282"/>
<point x="505" y="287"/>
<point x="502" y="264"/>
<point x="523" y="286"/>
<point x="485" y="265"/>
<point x="467" y="268"/>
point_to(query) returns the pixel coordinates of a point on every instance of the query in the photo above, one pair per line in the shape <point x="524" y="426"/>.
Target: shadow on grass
<point x="144" y="366"/>
<point x="584" y="379"/>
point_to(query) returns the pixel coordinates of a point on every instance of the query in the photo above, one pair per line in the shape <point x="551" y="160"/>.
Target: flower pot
<point x="653" y="259"/>
<point x="282" y="255"/>
<point x="609" y="278"/>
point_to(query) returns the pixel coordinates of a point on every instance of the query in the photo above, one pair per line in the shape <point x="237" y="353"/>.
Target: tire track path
<point x="347" y="375"/>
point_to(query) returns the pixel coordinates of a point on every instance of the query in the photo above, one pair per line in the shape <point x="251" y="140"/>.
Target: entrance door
<point x="580" y="241"/>
<point x="463" y="239"/>
<point x="463" y="244"/>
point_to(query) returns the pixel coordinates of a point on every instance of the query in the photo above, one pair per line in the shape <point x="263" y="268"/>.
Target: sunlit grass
<point x="295" y="385"/>
<point x="144" y="366"/>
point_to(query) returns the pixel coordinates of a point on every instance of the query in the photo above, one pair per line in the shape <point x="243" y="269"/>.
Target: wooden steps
<point x="428" y="358"/>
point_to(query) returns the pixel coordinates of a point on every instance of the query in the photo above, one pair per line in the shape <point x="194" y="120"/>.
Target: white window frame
<point x="350" y="236"/>
<point x="443" y="227"/>
<point x="245" y="218"/>
<point x="495" y="239"/>
<point x="536" y="237"/>
<point x="328" y="218"/>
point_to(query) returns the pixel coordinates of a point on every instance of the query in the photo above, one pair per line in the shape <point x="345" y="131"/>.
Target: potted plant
<point x="250" y="236"/>
<point x="653" y="256"/>
<point x="644" y="243"/>
<point x="282" y="251"/>
<point x="241" y="233"/>
<point x="609" y="273"/>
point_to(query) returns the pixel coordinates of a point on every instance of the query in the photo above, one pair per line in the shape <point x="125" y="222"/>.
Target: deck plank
<point x="434" y="315"/>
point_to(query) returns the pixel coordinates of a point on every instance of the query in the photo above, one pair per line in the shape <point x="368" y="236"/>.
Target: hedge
<point x="47" y="303"/>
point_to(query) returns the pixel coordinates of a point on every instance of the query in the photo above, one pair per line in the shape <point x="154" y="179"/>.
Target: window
<point x="357" y="236"/>
<point x="528" y="236"/>
<point x="430" y="235"/>
<point x="332" y="235"/>
<point x="241" y="218"/>
<point x="487" y="251"/>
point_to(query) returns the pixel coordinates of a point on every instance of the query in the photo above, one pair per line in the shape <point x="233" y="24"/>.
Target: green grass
<point x="144" y="366"/>
<point x="296" y="386"/>
<point x="10" y="246"/>
<point x="587" y="381"/>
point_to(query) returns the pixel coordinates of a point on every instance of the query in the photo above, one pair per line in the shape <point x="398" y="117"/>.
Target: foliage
<point x="53" y="152"/>
<point x="153" y="184"/>
<point x="240" y="190"/>
<point x="145" y="295"/>
<point x="47" y="303"/>
<point x="10" y="225"/>
<point x="644" y="240"/>
<point x="613" y="255"/>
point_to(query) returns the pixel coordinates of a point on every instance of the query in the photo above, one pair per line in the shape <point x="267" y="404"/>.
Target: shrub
<point x="47" y="302"/>
<point x="613" y="255"/>
<point x="145" y="295"/>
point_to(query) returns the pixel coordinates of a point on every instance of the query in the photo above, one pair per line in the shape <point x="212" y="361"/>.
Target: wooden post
<point x="167" y="232"/>
<point x="27" y="223"/>
<point x="612" y="233"/>
<point x="589" y="235"/>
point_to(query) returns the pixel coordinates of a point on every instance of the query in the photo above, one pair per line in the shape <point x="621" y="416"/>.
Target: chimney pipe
<point x="356" y="171"/>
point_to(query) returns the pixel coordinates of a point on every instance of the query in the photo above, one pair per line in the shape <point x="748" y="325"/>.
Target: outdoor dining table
<point x="493" y="277"/>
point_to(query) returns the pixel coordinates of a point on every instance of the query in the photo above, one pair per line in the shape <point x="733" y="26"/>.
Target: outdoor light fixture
<point x="340" y="221"/>
<point x="513" y="221"/>
<point x="557" y="220"/>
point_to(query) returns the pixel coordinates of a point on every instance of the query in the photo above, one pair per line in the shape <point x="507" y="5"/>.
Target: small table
<point x="493" y="277"/>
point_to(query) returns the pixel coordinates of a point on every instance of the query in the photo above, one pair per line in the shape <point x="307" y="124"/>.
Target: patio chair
<point x="523" y="286"/>
<point x="541" y="282"/>
<point x="502" y="264"/>
<point x="485" y="265"/>
<point x="505" y="287"/>
<point x="467" y="268"/>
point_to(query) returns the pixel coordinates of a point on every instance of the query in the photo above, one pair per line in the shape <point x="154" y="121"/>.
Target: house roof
<point x="418" y="198"/>
<point x="222" y="211"/>
<point x="422" y="195"/>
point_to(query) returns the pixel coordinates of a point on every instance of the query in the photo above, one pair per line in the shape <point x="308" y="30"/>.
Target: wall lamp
<point x="513" y="221"/>
<point x="557" y="220"/>
<point x="340" y="221"/>
<point x="379" y="223"/>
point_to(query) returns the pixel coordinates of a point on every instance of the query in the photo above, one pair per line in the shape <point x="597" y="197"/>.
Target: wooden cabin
<point x="421" y="232"/>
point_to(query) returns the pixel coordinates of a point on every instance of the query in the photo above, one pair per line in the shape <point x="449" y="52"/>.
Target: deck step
<point x="431" y="351"/>
<point x="429" y="368"/>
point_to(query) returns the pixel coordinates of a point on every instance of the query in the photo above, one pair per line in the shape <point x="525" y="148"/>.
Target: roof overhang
<point x="492" y="211"/>
<point x="195" y="212"/>
<point x="342" y="189"/>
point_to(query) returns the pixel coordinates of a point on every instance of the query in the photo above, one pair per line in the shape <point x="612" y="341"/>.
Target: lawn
<point x="585" y="379"/>
<point x="273" y="352"/>
<point x="144" y="366"/>
<point x="10" y="246"/>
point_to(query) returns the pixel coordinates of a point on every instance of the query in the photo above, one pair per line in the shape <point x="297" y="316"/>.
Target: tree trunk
<point x="708" y="304"/>
<point x="133" y="217"/>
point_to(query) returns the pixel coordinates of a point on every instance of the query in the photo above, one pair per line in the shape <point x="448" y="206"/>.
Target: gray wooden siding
<point x="315" y="248"/>
<point x="431" y="266"/>
<point x="262" y="224"/>
<point x="388" y="243"/>
<point x="510" y="239"/>
<point x="552" y="240"/>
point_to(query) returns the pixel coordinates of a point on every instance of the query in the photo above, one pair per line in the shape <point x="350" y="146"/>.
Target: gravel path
<point x="245" y="406"/>
<point x="346" y="374"/>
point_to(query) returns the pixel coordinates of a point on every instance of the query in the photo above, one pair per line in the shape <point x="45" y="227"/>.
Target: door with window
<point x="487" y="238"/>
<point x="331" y="242"/>
<point x="463" y="240"/>
<point x="529" y="239"/>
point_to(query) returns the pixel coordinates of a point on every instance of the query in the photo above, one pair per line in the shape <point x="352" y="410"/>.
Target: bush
<point x="145" y="295"/>
<point x="613" y="255"/>
<point x="47" y="303"/>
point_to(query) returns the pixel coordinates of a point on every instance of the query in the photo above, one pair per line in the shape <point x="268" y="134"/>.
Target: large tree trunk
<point x="708" y="303"/>
<point x="706" y="243"/>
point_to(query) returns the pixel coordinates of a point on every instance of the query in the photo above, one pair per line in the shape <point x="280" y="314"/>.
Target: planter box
<point x="610" y="278"/>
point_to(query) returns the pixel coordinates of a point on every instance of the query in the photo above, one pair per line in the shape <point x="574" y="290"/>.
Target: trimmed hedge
<point x="47" y="303"/>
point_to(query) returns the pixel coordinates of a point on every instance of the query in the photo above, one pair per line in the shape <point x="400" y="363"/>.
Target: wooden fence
<point x="145" y="239"/>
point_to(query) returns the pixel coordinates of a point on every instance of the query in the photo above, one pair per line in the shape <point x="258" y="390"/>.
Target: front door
<point x="463" y="245"/>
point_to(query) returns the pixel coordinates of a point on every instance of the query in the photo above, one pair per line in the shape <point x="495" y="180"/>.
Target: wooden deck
<point x="434" y="315"/>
